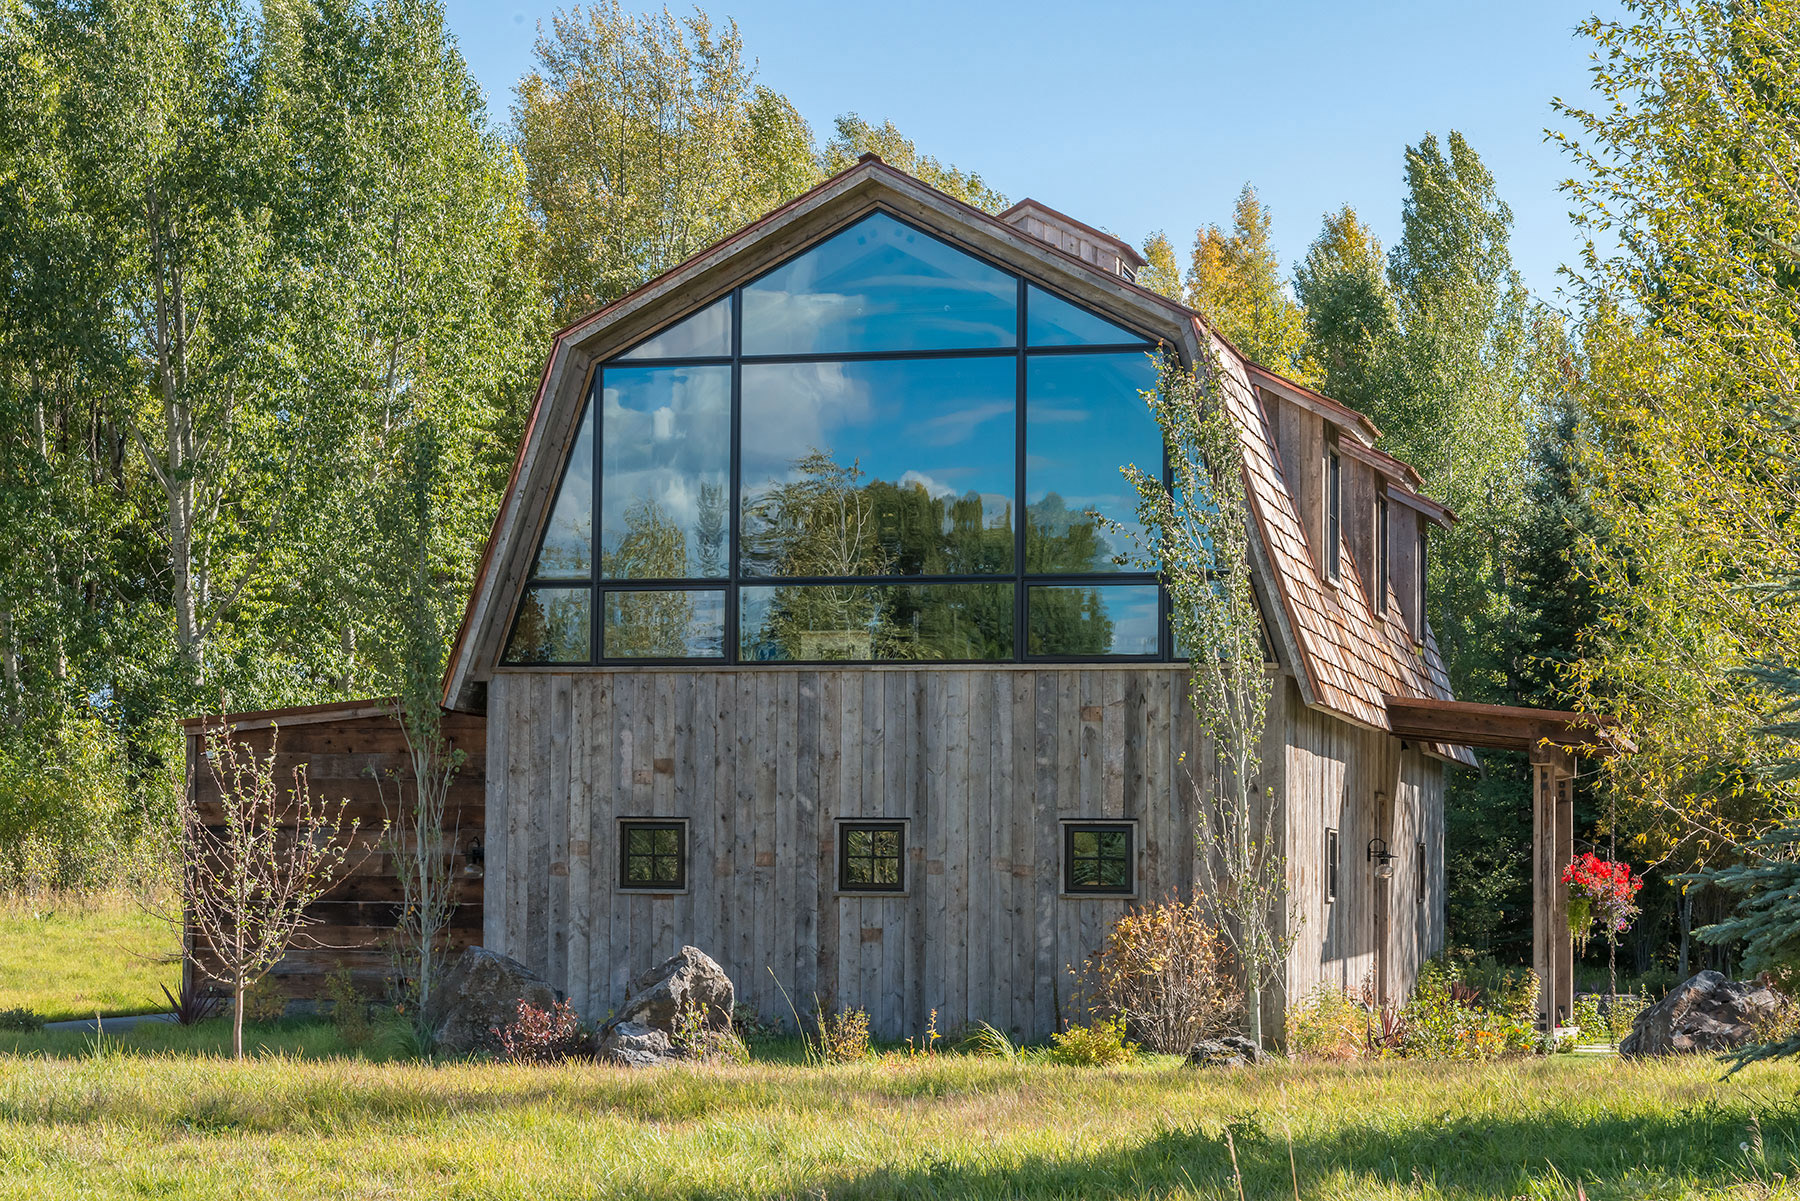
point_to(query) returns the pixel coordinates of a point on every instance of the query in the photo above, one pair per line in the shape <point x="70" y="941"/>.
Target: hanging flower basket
<point x="1602" y="894"/>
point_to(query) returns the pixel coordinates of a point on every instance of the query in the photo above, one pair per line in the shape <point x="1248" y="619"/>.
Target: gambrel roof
<point x="1346" y="656"/>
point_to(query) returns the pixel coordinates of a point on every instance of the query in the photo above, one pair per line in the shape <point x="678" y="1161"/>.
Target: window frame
<point x="1334" y="514"/>
<point x="1380" y="581"/>
<point x="1334" y="858"/>
<point x="1420" y="874"/>
<point x="625" y="827"/>
<point x="1073" y="826"/>
<point x="734" y="580"/>
<point x="1419" y="624"/>
<point x="848" y="826"/>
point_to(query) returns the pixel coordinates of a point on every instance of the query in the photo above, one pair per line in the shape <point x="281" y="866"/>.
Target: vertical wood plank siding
<point x="982" y="765"/>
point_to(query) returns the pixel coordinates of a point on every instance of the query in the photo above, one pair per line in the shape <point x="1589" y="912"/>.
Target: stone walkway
<point x="109" y="1025"/>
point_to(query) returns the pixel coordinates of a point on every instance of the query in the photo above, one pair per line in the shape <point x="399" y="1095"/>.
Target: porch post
<point x="1552" y="846"/>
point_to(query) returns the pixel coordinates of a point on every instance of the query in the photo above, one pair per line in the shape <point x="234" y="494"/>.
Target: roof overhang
<point x="1340" y="415"/>
<point x="1505" y="727"/>
<point x="295" y="715"/>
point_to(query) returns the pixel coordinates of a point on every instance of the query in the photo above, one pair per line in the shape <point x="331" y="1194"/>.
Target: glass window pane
<point x="665" y="472"/>
<point x="1086" y="844"/>
<point x="887" y="871"/>
<point x="876" y="623"/>
<point x="880" y="285"/>
<point x="1053" y="321"/>
<point x="666" y="841"/>
<point x="668" y="869"/>
<point x="569" y="537"/>
<point x="887" y="842"/>
<point x="1112" y="844"/>
<point x="856" y="871"/>
<point x="1084" y="420"/>
<point x="704" y="335"/>
<point x="1112" y="873"/>
<point x="552" y="627"/>
<point x="637" y="871"/>
<point x="856" y="842"/>
<point x="664" y="625"/>
<point x="1083" y="622"/>
<point x="879" y="468"/>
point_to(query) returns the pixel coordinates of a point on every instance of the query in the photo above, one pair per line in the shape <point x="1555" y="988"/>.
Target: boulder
<point x="1708" y="1013"/>
<point x="689" y="978"/>
<point x="634" y="1045"/>
<point x="1230" y="1051"/>
<point x="481" y="991"/>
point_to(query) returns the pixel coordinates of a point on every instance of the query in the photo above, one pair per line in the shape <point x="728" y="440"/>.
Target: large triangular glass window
<point x="704" y="335"/>
<point x="568" y="547"/>
<point x="1053" y="321"/>
<point x="880" y="285"/>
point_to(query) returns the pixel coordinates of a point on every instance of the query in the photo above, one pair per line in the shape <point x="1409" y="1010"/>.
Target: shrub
<point x="21" y="1019"/>
<point x="264" y="1001"/>
<point x="754" y="1029"/>
<point x="1167" y="973"/>
<point x="195" y="1003"/>
<point x="693" y="1038"/>
<point x="1096" y="1045"/>
<point x="1604" y="1019"/>
<point x="843" y="1037"/>
<point x="542" y="1035"/>
<point x="1328" y="1023"/>
<point x="1441" y="1023"/>
<point x="349" y="1008"/>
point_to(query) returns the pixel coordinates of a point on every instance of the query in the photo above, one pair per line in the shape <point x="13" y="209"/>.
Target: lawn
<point x="154" y="1114"/>
<point x="70" y="957"/>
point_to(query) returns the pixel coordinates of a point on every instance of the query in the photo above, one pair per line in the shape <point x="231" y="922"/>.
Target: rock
<point x="1708" y="1013"/>
<point x="689" y="978"/>
<point x="482" y="991"/>
<point x="634" y="1045"/>
<point x="1231" y="1051"/>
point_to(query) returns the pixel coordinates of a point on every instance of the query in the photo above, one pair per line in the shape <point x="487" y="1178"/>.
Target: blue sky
<point x="1152" y="116"/>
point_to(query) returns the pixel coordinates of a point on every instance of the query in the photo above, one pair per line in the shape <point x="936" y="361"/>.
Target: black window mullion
<point x="733" y="644"/>
<point x="1019" y="518"/>
<point x="596" y="605"/>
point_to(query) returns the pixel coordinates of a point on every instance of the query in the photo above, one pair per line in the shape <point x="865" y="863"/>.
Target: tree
<point x="646" y="139"/>
<point x="1196" y="533"/>
<point x="1350" y="317"/>
<point x="1161" y="273"/>
<point x="254" y="860"/>
<point x="854" y="137"/>
<point x="1234" y="281"/>
<point x="1686" y="169"/>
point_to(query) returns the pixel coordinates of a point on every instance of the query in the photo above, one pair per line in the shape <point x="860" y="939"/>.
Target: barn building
<point x="797" y="637"/>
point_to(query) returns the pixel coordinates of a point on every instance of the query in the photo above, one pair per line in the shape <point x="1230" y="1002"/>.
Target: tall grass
<point x="134" y="1122"/>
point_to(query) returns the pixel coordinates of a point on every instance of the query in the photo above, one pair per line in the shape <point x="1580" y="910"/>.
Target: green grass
<point x="157" y="1113"/>
<point x="70" y="957"/>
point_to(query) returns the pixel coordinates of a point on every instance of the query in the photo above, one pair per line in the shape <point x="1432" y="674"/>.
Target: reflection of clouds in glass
<point x="568" y="542"/>
<point x="706" y="334"/>
<point x="1134" y="617"/>
<point x="667" y="432"/>
<point x="879" y="285"/>
<point x="870" y="414"/>
<point x="1084" y="421"/>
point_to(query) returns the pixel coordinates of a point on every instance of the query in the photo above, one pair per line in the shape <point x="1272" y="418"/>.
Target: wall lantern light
<point x="473" y="861"/>
<point x="1384" y="862"/>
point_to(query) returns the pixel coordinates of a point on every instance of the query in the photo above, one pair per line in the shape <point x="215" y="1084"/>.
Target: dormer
<point x="1074" y="238"/>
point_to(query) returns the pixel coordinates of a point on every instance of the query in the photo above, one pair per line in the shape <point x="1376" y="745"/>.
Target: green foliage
<point x="349" y="1008"/>
<point x="1099" y="1044"/>
<point x="1442" y="1021"/>
<point x="1327" y="1023"/>
<point x="264" y="1002"/>
<point x="1686" y="166"/>
<point x="1607" y="1019"/>
<point x="853" y="137"/>
<point x="21" y="1019"/>
<point x="841" y="1037"/>
<point x="1161" y="272"/>
<point x="1234" y="281"/>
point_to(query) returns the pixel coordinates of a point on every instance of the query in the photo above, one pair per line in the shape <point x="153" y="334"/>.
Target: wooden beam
<point x="1503" y="727"/>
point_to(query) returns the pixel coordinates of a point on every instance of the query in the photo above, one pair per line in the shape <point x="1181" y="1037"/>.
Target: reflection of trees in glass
<point x="1069" y="621"/>
<point x="896" y="622"/>
<point x="709" y="530"/>
<point x="819" y="523"/>
<point x="648" y="624"/>
<point x="1058" y="538"/>
<point x="565" y="551"/>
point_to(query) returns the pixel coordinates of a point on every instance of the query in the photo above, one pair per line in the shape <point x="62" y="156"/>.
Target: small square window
<point x="1331" y="865"/>
<point x="653" y="855"/>
<point x="872" y="856"/>
<point x="1098" y="858"/>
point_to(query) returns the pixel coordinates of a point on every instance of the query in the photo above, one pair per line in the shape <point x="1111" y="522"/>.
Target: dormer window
<point x="1334" y="515"/>
<point x="1419" y="594"/>
<point x="1380" y="582"/>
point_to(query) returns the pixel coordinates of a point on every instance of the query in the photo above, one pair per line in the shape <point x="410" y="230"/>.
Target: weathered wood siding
<point x="1364" y="785"/>
<point x="982" y="763"/>
<point x="364" y="761"/>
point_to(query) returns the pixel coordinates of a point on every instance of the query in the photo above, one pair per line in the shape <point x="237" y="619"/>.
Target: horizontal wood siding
<point x="980" y="763"/>
<point x="363" y="761"/>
